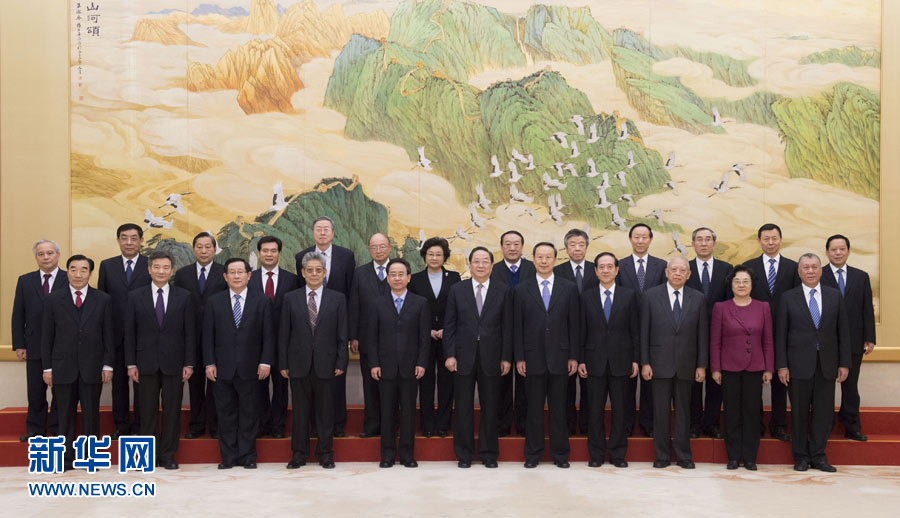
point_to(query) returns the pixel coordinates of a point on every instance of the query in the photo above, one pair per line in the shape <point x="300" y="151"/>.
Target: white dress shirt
<point x="484" y="288"/>
<point x="817" y="296"/>
<point x="540" y="281"/>
<point x="709" y="267"/>
<point x="165" y="294"/>
<point x="834" y="270"/>
<point x="265" y="277"/>
<point x="517" y="264"/>
<point x="765" y="260"/>
<point x="318" y="295"/>
<point x="375" y="265"/>
<point x="612" y="293"/>
<point x="53" y="273"/>
<point x="672" y="296"/>
<point x="133" y="262"/>
<point x="574" y="265"/>
<point x="242" y="301"/>
<point x="645" y="257"/>
<point x="200" y="266"/>
<point x="327" y="254"/>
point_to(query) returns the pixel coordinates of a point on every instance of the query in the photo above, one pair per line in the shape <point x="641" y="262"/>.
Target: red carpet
<point x="882" y="425"/>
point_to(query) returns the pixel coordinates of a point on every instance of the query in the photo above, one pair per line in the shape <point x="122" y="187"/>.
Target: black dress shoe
<point x="711" y="432"/>
<point x="686" y="464"/>
<point x="410" y="464"/>
<point x="530" y="464"/>
<point x="620" y="463"/>
<point x="262" y="434"/>
<point x="801" y="465"/>
<point x="823" y="466"/>
<point x="339" y="432"/>
<point x="328" y="464"/>
<point x="366" y="435"/>
<point x="441" y="433"/>
<point x="427" y="435"/>
<point x="564" y="464"/>
<point x="170" y="464"/>
<point x="464" y="464"/>
<point x="853" y="436"/>
<point x="213" y="435"/>
<point x="781" y="434"/>
<point x="250" y="465"/>
<point x="750" y="466"/>
<point x="385" y="464"/>
<point x="24" y="438"/>
<point x="594" y="463"/>
<point x="314" y="434"/>
<point x="296" y="462"/>
<point x="502" y="433"/>
<point x="278" y="435"/>
<point x="661" y="464"/>
<point x="733" y="464"/>
<point x="695" y="433"/>
<point x="490" y="464"/>
<point x="648" y="433"/>
<point x="224" y="465"/>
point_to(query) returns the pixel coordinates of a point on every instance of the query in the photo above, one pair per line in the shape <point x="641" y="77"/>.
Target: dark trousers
<point x="394" y="392"/>
<point x="706" y="413"/>
<point x="170" y="389"/>
<point x="505" y="403"/>
<point x="848" y="415"/>
<point x="552" y="389"/>
<point x="339" y="397"/>
<point x="577" y="415"/>
<point x="779" y="405"/>
<point x="742" y="395"/>
<point x="464" y="424"/>
<point x="307" y="393"/>
<point x="645" y="415"/>
<point x="274" y="407"/>
<point x="371" y="397"/>
<point x="669" y="392"/>
<point x="810" y="427"/>
<point x="203" y="402"/>
<point x="237" y="406"/>
<point x="436" y="374"/>
<point x="598" y="387"/>
<point x="36" y="421"/>
<point x="121" y="396"/>
<point x="68" y="395"/>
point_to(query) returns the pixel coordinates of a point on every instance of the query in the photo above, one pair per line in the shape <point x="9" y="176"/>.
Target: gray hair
<point x="41" y="242"/>
<point x="809" y="255"/>
<point x="576" y="232"/>
<point x="323" y="218"/>
<point x="313" y="256"/>
<point x="701" y="229"/>
<point x="678" y="257"/>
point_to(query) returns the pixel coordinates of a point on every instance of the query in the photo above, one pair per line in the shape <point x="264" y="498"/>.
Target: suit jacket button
<point x="748" y="342"/>
<point x="748" y="351"/>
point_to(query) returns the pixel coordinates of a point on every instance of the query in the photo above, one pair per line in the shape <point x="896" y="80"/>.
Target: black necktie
<point x="676" y="309"/>
<point x="579" y="278"/>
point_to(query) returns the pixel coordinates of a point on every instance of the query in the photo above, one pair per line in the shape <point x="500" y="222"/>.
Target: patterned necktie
<point x="676" y="308"/>
<point x="201" y="281"/>
<point x="160" y="307"/>
<point x="313" y="311"/>
<point x="381" y="273"/>
<point x="771" y="276"/>
<point x="607" y="305"/>
<point x="545" y="294"/>
<point x="841" y="284"/>
<point x="78" y="301"/>
<point x="704" y="279"/>
<point x="514" y="276"/>
<point x="479" y="301"/>
<point x="236" y="310"/>
<point x="579" y="278"/>
<point x="814" y="308"/>
<point x="640" y="274"/>
<point x="47" y="284"/>
<point x="399" y="303"/>
<point x="128" y="271"/>
<point x="270" y="286"/>
<point x="327" y="268"/>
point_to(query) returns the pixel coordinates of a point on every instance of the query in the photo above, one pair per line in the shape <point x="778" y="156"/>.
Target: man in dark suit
<point x="640" y="271"/>
<point x="545" y="340"/>
<point x="608" y="355"/>
<point x="77" y="350"/>
<point x="340" y="265"/>
<point x="369" y="282"/>
<point x="708" y="276"/>
<point x="510" y="271"/>
<point x="812" y="349"/>
<point x="478" y="349"/>
<point x="202" y="279"/>
<point x="312" y="350"/>
<point x="159" y="352"/>
<point x="238" y="349"/>
<point x="117" y="276"/>
<point x="674" y="354"/>
<point x="28" y="309"/>
<point x="581" y="272"/>
<point x="273" y="282"/>
<point x="400" y="341"/>
<point x="856" y="290"/>
<point x="777" y="275"/>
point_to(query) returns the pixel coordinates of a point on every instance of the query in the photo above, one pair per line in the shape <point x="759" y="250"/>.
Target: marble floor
<point x="438" y="489"/>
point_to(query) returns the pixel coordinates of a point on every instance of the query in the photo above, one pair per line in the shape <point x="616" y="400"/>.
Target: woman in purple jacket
<point x="742" y="359"/>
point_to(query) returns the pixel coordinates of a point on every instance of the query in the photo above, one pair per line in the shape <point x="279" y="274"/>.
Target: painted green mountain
<point x="852" y="56"/>
<point x="557" y="33"/>
<point x="834" y="137"/>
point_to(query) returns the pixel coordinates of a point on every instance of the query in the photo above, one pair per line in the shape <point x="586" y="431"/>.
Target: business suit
<point x="112" y="279"/>
<point x="786" y="277"/>
<point x="479" y="342"/>
<point x="28" y="310"/>
<point x="340" y="279"/>
<point x="398" y="343"/>
<point x="237" y="352"/>
<point x="160" y="353"/>
<point x="581" y="413"/>
<point x="608" y="350"/>
<point x="861" y="316"/>
<point x="546" y="339"/>
<point x="76" y="343"/>
<point x="200" y="388"/>
<point x="674" y="349"/>
<point x="813" y="355"/>
<point x="512" y="409"/>
<point x="435" y="372"/>
<point x="364" y="291"/>
<point x="706" y="416"/>
<point x="274" y="410"/>
<point x="654" y="276"/>
<point x="311" y="355"/>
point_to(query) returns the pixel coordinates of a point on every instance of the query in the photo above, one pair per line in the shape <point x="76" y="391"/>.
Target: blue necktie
<point x="841" y="284"/>
<point x="399" y="303"/>
<point x="704" y="280"/>
<point x="160" y="307"/>
<point x="814" y="309"/>
<point x="607" y="305"/>
<point x="640" y="274"/>
<point x="676" y="309"/>
<point x="514" y="275"/>
<point x="545" y="294"/>
<point x="201" y="281"/>
<point x="381" y="273"/>
<point x="771" y="276"/>
<point x="128" y="271"/>
<point x="236" y="310"/>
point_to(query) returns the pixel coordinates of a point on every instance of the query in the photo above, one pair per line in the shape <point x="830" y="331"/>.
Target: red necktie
<point x="47" y="283"/>
<point x="270" y="286"/>
<point x="78" y="299"/>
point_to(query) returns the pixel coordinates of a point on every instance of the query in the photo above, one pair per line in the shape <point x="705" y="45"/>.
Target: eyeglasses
<point x="317" y="271"/>
<point x="379" y="247"/>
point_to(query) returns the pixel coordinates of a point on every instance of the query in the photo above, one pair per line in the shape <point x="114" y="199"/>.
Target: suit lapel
<point x="535" y="291"/>
<point x="627" y="270"/>
<point x="617" y="303"/>
<point x="149" y="305"/>
<point x="88" y="304"/>
<point x="489" y="300"/>
<point x="554" y="296"/>
<point x="36" y="281"/>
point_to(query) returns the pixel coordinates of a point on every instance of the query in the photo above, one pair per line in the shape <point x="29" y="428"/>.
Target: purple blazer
<point x="740" y="337"/>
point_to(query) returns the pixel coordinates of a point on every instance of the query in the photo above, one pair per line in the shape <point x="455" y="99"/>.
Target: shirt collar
<point x="133" y="260"/>
<point x="612" y="290"/>
<point x="165" y="289"/>
<point x="807" y="289"/>
<point x="243" y="294"/>
<point x="834" y="269"/>
<point x="264" y="270"/>
<point x="517" y="264"/>
<point x="645" y="257"/>
<point x="199" y="266"/>
<point x="671" y="291"/>
<point x="582" y="264"/>
<point x="82" y="290"/>
<point x="401" y="296"/>
<point x="709" y="263"/>
<point x="317" y="290"/>
<point x="53" y="273"/>
<point x="327" y="251"/>
<point x="476" y="283"/>
<point x="765" y="259"/>
<point x="540" y="280"/>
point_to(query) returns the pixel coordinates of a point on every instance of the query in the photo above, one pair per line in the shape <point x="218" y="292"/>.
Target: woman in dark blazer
<point x="742" y="359"/>
<point x="434" y="284"/>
